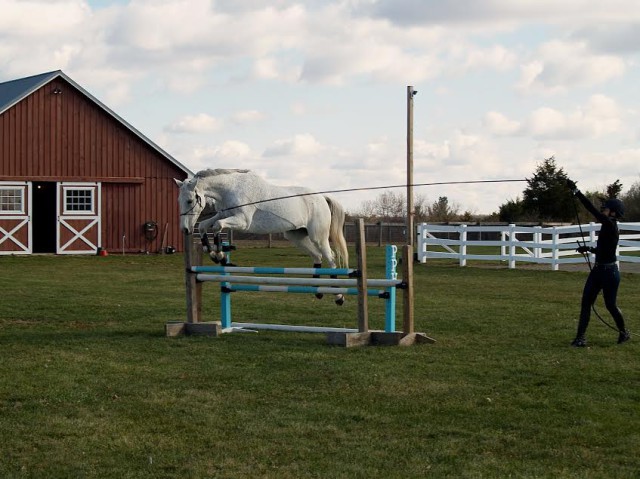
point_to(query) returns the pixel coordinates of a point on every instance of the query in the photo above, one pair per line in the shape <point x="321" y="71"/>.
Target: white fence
<point x="544" y="245"/>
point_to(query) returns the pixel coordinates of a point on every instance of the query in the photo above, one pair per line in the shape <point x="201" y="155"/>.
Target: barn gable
<point x="75" y="177"/>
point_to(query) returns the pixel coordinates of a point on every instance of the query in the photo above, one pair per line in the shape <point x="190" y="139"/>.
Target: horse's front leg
<point x="215" y="252"/>
<point x="217" y="224"/>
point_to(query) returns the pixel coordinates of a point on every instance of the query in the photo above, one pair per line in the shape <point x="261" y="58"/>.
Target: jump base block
<point x="177" y="328"/>
<point x="377" y="338"/>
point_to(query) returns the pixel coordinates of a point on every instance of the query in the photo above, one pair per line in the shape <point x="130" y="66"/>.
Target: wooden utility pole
<point x="410" y="208"/>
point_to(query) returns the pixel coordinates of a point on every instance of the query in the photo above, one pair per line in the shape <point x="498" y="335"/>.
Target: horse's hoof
<point x="319" y="295"/>
<point x="340" y="300"/>
<point x="214" y="258"/>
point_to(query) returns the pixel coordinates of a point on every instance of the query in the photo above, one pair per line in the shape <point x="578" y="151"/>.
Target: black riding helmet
<point x="615" y="205"/>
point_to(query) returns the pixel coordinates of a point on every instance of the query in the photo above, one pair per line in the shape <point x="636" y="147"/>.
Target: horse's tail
<point x="336" y="235"/>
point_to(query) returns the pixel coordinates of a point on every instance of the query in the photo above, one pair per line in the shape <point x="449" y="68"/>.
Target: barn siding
<point x="67" y="137"/>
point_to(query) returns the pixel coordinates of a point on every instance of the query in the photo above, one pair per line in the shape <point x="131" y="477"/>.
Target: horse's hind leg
<point x="322" y="244"/>
<point x="302" y="241"/>
<point x="318" y="250"/>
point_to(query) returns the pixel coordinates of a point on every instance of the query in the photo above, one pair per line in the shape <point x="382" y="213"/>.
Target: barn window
<point x="78" y="200"/>
<point x="11" y="200"/>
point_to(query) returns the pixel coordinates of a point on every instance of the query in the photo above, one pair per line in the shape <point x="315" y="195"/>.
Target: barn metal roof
<point x="14" y="91"/>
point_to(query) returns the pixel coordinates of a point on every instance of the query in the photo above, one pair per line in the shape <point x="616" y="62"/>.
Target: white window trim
<point x="22" y="189"/>
<point x="91" y="189"/>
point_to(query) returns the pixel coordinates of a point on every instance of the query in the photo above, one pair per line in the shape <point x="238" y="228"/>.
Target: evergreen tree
<point x="511" y="211"/>
<point x="614" y="189"/>
<point x="546" y="196"/>
<point x="442" y="210"/>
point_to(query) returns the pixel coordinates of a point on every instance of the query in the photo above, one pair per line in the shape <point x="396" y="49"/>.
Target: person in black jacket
<point x="605" y="275"/>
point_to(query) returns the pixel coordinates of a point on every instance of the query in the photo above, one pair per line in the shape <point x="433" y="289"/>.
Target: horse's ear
<point x="178" y="182"/>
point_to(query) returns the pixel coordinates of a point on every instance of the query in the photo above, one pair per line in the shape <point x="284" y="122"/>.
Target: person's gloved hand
<point x="583" y="249"/>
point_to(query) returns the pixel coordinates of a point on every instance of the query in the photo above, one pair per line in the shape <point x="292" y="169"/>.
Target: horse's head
<point x="191" y="201"/>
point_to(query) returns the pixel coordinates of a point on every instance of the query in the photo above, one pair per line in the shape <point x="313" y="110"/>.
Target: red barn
<point x="76" y="178"/>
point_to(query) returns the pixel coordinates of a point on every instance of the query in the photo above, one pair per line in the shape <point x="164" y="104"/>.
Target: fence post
<point x="192" y="256"/>
<point x="593" y="239"/>
<point x="537" y="239"/>
<point x="554" y="248"/>
<point x="361" y="253"/>
<point x="462" y="249"/>
<point x="512" y="246"/>
<point x="407" y="293"/>
<point x="422" y="244"/>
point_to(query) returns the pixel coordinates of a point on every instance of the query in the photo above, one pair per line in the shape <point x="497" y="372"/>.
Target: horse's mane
<point x="218" y="172"/>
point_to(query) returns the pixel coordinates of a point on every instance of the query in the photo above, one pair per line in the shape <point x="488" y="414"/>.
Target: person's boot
<point x="579" y="342"/>
<point x="624" y="336"/>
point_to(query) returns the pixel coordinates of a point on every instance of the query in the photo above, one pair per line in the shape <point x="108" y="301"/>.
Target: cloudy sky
<point x="314" y="93"/>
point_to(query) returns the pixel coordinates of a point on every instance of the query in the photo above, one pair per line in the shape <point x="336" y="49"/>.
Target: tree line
<point x="545" y="199"/>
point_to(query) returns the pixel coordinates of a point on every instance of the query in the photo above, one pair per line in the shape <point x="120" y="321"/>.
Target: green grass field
<point x="91" y="388"/>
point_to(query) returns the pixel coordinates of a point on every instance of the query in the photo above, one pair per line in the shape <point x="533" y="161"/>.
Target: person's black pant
<point x="605" y="278"/>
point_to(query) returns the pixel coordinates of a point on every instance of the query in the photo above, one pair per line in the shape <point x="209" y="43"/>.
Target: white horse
<point x="243" y="201"/>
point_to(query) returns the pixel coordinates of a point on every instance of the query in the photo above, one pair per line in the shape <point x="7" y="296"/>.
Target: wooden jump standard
<point x="195" y="275"/>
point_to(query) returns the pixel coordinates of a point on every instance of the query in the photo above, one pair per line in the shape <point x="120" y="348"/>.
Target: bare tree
<point x="392" y="206"/>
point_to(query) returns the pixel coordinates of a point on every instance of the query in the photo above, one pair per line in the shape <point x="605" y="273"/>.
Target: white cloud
<point x="549" y="123"/>
<point x="558" y="66"/>
<point x="161" y="27"/>
<point x="230" y="154"/>
<point x="483" y="15"/>
<point x="299" y="145"/>
<point x="616" y="37"/>
<point x="600" y="116"/>
<point x="298" y="108"/>
<point x="431" y="153"/>
<point x="465" y="56"/>
<point x="232" y="150"/>
<point x="498" y="124"/>
<point x="276" y="68"/>
<point x="41" y="18"/>
<point x="200" y="123"/>
<point x="247" y="116"/>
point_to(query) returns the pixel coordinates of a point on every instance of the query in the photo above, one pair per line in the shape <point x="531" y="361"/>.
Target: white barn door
<point x="79" y="225"/>
<point x="15" y="217"/>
